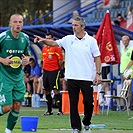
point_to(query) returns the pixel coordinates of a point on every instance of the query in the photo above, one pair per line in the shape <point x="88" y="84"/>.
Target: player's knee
<point x="16" y="105"/>
<point x="6" y="108"/>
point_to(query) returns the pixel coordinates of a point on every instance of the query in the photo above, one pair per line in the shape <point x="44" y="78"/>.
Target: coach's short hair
<point x="82" y="20"/>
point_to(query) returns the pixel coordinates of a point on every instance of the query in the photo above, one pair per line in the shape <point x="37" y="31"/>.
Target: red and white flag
<point x="106" y="41"/>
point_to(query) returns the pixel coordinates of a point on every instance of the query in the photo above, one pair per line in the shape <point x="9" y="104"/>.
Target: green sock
<point x="1" y="111"/>
<point x="12" y="119"/>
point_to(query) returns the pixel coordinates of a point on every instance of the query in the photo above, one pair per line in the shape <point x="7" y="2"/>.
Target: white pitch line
<point x="62" y="129"/>
<point x="33" y="110"/>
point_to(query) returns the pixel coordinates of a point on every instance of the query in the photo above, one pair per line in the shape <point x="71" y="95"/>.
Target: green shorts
<point x="11" y="92"/>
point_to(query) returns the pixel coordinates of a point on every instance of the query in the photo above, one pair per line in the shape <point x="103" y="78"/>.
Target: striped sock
<point x="12" y="119"/>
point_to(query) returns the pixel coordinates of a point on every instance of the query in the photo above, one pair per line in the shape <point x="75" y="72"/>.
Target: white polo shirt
<point x="79" y="56"/>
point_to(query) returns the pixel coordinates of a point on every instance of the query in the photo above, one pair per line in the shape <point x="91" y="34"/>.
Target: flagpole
<point x="111" y="86"/>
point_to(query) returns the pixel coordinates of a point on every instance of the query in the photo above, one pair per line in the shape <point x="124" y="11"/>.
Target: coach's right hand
<point x="38" y="39"/>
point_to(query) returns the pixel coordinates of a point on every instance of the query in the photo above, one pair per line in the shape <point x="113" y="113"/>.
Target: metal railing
<point x="64" y="17"/>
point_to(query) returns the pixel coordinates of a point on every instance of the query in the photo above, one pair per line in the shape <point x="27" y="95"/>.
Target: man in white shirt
<point x="81" y="50"/>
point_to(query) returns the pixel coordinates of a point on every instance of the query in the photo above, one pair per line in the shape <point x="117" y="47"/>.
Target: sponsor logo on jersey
<point x="16" y="62"/>
<point x="14" y="51"/>
<point x="50" y="56"/>
<point x="8" y="38"/>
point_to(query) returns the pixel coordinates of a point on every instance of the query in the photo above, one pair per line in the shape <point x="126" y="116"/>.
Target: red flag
<point x="106" y="41"/>
<point x="106" y="2"/>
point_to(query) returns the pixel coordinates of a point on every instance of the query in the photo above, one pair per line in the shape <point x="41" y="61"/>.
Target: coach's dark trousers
<point x="74" y="87"/>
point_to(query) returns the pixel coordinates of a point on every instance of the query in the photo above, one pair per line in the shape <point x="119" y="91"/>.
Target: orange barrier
<point x="66" y="108"/>
<point x="96" y="103"/>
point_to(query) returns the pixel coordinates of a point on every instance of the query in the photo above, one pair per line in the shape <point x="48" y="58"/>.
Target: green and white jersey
<point x="15" y="47"/>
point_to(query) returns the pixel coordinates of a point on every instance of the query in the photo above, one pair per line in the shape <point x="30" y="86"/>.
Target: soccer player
<point x="14" y="52"/>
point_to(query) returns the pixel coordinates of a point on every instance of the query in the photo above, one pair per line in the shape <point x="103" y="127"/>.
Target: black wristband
<point x="99" y="73"/>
